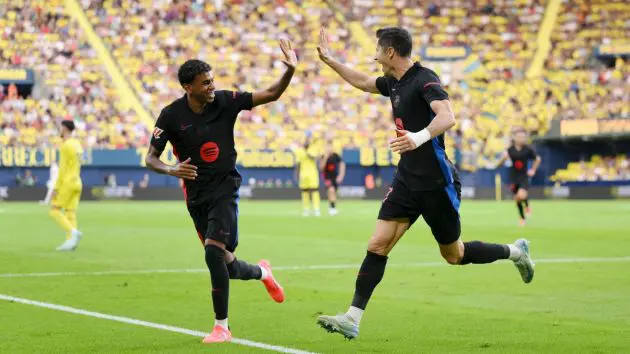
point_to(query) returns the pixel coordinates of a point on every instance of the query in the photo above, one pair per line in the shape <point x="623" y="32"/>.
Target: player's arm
<point x="274" y="92"/>
<point x="342" y="172"/>
<point x="355" y="78"/>
<point x="535" y="165"/>
<point x="444" y="120"/>
<point x="62" y="171"/>
<point x="158" y="142"/>
<point x="502" y="160"/>
<point x="181" y="170"/>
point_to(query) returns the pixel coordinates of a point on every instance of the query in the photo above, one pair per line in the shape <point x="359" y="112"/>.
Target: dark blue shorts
<point x="439" y="208"/>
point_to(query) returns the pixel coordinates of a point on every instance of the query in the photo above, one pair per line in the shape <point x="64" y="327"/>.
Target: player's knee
<point x="54" y="211"/>
<point x="453" y="258"/>
<point x="378" y="246"/>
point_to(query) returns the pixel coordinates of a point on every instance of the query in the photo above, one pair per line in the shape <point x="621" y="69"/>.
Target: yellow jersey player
<point x="308" y="177"/>
<point x="67" y="190"/>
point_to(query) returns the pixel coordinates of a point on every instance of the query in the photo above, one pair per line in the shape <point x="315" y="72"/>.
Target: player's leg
<point x="70" y="211"/>
<point x="517" y="199"/>
<point x="397" y="214"/>
<point x="441" y="212"/>
<point x="239" y="269"/>
<point x="207" y="221"/>
<point x="524" y="196"/>
<point x="315" y="198"/>
<point x="332" y="197"/>
<point x="306" y="200"/>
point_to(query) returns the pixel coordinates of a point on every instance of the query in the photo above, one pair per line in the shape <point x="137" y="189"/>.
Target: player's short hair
<point x="190" y="69"/>
<point x="520" y="130"/>
<point x="69" y="124"/>
<point x="395" y="37"/>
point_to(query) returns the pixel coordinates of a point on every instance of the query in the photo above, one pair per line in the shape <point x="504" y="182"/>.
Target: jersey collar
<point x="411" y="72"/>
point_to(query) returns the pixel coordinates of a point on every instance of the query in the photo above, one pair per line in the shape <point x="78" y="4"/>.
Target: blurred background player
<point x="67" y="190"/>
<point x="50" y="184"/>
<point x="521" y="154"/>
<point x="334" y="170"/>
<point x="308" y="177"/>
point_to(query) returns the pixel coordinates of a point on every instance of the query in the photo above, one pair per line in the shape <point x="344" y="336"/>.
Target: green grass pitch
<point x="579" y="300"/>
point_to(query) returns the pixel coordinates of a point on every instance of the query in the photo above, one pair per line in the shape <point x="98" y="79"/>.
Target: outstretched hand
<point x="322" y="47"/>
<point x="402" y="143"/>
<point x="290" y="58"/>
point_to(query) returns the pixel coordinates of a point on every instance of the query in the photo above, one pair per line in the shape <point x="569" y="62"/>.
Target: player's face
<point x="202" y="88"/>
<point x="383" y="58"/>
<point x="64" y="131"/>
<point x="520" y="138"/>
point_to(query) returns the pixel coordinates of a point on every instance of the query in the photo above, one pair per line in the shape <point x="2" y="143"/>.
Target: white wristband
<point x="420" y="137"/>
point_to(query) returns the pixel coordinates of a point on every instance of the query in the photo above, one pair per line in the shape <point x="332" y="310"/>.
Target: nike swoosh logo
<point x="184" y="127"/>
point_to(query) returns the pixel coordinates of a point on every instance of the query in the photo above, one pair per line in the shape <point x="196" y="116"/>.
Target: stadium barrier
<point x="345" y="192"/>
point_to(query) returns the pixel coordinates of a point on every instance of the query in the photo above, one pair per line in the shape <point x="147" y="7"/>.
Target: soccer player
<point x="50" y="184"/>
<point x="200" y="127"/>
<point x="425" y="183"/>
<point x="67" y="190"/>
<point x="308" y="177"/>
<point x="334" y="170"/>
<point x="521" y="154"/>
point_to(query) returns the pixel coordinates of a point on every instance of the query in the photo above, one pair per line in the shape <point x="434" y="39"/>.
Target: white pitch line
<point x="296" y="268"/>
<point x="141" y="323"/>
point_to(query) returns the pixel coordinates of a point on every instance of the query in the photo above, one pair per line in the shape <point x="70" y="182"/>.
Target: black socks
<point x="478" y="252"/>
<point x="369" y="276"/>
<point x="220" y="280"/>
<point x="243" y="270"/>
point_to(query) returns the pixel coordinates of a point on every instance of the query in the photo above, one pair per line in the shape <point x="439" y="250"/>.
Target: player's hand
<point x="339" y="180"/>
<point x="402" y="143"/>
<point x="184" y="170"/>
<point x="322" y="48"/>
<point x="290" y="58"/>
<point x="531" y="173"/>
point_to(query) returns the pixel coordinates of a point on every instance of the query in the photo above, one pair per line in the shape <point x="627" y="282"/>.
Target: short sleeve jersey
<point x="207" y="139"/>
<point x="427" y="167"/>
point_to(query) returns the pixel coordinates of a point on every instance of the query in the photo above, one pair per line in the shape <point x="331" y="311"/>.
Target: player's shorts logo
<point x="209" y="152"/>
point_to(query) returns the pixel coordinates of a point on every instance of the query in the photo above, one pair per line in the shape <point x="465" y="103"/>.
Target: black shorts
<point x="519" y="183"/>
<point x="439" y="208"/>
<point x="331" y="182"/>
<point x="217" y="220"/>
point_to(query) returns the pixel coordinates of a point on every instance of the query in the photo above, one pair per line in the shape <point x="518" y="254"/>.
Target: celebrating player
<point x="67" y="190"/>
<point x="521" y="154"/>
<point x="334" y="170"/>
<point x="308" y="177"/>
<point x="426" y="183"/>
<point x="200" y="126"/>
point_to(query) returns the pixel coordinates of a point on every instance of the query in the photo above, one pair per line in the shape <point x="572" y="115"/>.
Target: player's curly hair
<point x="190" y="69"/>
<point x="395" y="37"/>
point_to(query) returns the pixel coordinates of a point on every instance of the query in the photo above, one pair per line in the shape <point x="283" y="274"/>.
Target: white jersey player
<point x="50" y="184"/>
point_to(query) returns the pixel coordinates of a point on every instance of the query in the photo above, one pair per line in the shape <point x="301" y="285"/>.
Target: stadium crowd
<point x="70" y="82"/>
<point x="608" y="168"/>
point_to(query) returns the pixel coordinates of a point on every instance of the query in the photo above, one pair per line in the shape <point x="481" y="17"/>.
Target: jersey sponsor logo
<point x="331" y="167"/>
<point x="518" y="165"/>
<point x="396" y="101"/>
<point x="157" y="132"/>
<point x="209" y="152"/>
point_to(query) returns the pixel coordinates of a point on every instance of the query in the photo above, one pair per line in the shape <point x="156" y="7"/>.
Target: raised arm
<point x="355" y="78"/>
<point x="274" y="92"/>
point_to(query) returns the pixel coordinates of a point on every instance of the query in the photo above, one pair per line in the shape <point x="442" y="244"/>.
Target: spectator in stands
<point x="27" y="180"/>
